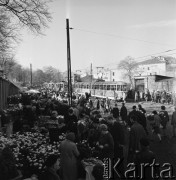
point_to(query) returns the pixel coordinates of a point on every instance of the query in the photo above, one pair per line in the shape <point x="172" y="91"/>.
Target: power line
<point x="155" y="54"/>
<point x="123" y="37"/>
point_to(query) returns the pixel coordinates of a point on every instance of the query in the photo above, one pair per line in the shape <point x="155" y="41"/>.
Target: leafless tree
<point x="129" y="65"/>
<point x="52" y="74"/>
<point x="32" y="14"/>
<point x="6" y="64"/>
<point x="14" y="14"/>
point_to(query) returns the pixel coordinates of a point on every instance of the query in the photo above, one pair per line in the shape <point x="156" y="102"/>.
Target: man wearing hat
<point x="123" y="112"/>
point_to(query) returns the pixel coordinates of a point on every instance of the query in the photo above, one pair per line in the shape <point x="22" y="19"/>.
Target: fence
<point x="7" y="88"/>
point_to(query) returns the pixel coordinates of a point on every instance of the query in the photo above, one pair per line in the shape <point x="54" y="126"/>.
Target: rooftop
<point x="154" y="60"/>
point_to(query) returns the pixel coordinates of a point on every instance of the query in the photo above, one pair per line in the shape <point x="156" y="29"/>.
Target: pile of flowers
<point x="85" y="150"/>
<point x="30" y="150"/>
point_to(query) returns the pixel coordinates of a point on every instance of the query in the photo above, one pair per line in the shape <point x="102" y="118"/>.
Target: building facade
<point x="155" y="74"/>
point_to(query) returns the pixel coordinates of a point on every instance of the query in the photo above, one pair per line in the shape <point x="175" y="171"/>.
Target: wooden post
<point x="69" y="63"/>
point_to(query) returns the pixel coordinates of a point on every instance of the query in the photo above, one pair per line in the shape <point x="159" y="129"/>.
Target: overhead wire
<point x="155" y="54"/>
<point x="124" y="37"/>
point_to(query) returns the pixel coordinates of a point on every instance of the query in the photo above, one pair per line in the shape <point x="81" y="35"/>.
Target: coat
<point x="115" y="112"/>
<point x="108" y="145"/>
<point x="173" y="121"/>
<point x="145" y="157"/>
<point x="137" y="132"/>
<point x="123" y="113"/>
<point x="69" y="154"/>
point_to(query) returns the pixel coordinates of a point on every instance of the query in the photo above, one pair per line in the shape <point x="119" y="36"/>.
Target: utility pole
<point x="69" y="63"/>
<point x="31" y="73"/>
<point x="91" y="77"/>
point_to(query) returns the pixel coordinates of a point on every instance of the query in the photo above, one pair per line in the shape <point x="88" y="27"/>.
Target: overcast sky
<point x="105" y="31"/>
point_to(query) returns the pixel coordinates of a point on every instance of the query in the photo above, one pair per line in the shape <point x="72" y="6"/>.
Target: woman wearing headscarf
<point x="69" y="154"/>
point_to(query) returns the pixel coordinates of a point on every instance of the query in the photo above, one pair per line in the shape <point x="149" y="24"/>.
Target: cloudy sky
<point x="105" y="31"/>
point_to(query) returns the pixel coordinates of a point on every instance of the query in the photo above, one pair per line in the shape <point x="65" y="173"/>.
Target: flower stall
<point x="30" y="151"/>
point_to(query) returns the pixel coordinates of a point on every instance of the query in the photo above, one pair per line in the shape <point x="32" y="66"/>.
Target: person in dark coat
<point x="69" y="155"/>
<point x="132" y="113"/>
<point x="164" y="118"/>
<point x="53" y="127"/>
<point x="52" y="166"/>
<point x="117" y="131"/>
<point x="71" y="121"/>
<point x="142" y="118"/>
<point x="141" y="108"/>
<point x="136" y="133"/>
<point x="146" y="157"/>
<point x="8" y="168"/>
<point x="106" y="143"/>
<point x="123" y="112"/>
<point x="156" y="127"/>
<point x="115" y="112"/>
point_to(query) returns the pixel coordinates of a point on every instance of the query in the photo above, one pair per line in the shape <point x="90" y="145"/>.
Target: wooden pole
<point x="31" y="73"/>
<point x="69" y="63"/>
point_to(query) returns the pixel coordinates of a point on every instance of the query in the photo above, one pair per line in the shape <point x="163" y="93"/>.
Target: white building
<point x="109" y="75"/>
<point x="155" y="66"/>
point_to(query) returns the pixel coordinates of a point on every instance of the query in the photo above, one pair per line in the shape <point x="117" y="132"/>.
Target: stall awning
<point x="160" y="78"/>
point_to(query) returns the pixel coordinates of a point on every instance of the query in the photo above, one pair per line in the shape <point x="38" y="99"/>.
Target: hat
<point x="70" y="136"/>
<point x="103" y="127"/>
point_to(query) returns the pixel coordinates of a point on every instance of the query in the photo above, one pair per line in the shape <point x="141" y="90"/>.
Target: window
<point x="113" y="73"/>
<point x="113" y="79"/>
<point x="118" y="87"/>
<point x="108" y="87"/>
<point x="124" y="88"/>
<point x="113" y="87"/>
<point x="96" y="86"/>
<point x="101" y="87"/>
<point x="104" y="87"/>
<point x="148" y="68"/>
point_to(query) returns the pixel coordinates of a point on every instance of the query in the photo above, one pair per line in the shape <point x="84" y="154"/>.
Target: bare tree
<point x="129" y="65"/>
<point x="52" y="74"/>
<point x="6" y="64"/>
<point x="8" y="34"/>
<point x="39" y="77"/>
<point x="32" y="14"/>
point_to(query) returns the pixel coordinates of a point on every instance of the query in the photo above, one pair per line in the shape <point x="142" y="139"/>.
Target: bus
<point x="116" y="90"/>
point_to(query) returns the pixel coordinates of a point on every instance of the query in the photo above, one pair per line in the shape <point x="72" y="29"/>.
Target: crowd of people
<point x="108" y="129"/>
<point x="156" y="96"/>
